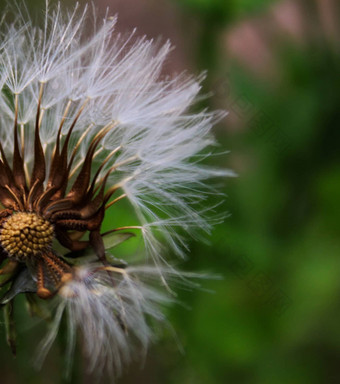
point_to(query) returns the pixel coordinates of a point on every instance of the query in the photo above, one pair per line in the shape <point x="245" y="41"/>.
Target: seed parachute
<point x="86" y="123"/>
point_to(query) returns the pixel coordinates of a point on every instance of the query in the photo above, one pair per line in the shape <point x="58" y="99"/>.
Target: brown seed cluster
<point x="24" y="234"/>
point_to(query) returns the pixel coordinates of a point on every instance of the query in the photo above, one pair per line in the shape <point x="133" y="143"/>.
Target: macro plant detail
<point x="33" y="214"/>
<point x="89" y="122"/>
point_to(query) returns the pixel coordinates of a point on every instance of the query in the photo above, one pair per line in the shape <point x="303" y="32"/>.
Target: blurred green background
<point x="274" y="317"/>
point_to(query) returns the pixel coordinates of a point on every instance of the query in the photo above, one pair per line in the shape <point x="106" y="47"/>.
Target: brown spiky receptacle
<point x="96" y="122"/>
<point x="41" y="206"/>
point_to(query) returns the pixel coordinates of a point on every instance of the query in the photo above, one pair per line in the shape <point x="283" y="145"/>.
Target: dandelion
<point x="88" y="122"/>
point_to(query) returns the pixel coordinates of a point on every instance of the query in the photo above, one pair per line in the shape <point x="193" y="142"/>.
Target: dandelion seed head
<point x="88" y="120"/>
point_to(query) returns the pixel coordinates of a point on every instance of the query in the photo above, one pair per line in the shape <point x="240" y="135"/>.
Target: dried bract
<point x="88" y="122"/>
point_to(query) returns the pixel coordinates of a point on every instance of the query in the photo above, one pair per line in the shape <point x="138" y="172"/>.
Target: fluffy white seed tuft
<point x="112" y="308"/>
<point x="154" y="147"/>
<point x="155" y="143"/>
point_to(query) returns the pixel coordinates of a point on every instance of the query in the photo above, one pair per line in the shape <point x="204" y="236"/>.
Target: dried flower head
<point x="87" y="122"/>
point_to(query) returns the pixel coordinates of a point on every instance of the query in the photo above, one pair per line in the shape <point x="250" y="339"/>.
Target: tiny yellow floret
<point x="25" y="234"/>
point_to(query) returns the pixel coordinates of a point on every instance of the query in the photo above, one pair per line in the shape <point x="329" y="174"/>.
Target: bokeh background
<point x="274" y="316"/>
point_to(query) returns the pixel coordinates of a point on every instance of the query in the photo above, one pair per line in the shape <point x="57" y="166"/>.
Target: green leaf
<point x="10" y="326"/>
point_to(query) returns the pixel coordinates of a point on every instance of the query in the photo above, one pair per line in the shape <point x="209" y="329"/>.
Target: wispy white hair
<point x="154" y="147"/>
<point x="155" y="143"/>
<point x="112" y="307"/>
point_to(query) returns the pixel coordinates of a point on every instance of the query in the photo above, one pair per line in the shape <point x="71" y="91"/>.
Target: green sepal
<point x="112" y="239"/>
<point x="4" y="279"/>
<point x="37" y="308"/>
<point x="8" y="274"/>
<point x="11" y="335"/>
<point x="58" y="248"/>
<point x="119" y="263"/>
<point x="22" y="283"/>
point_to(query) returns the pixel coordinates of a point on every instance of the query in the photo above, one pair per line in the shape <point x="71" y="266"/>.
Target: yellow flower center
<point x="24" y="234"/>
